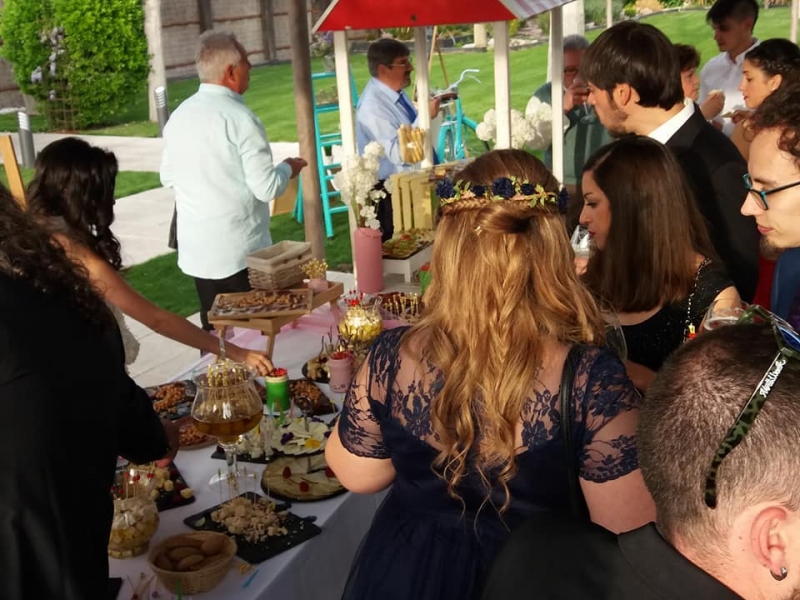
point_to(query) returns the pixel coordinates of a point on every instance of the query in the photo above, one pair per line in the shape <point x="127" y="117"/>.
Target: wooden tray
<point x="261" y="304"/>
<point x="300" y="530"/>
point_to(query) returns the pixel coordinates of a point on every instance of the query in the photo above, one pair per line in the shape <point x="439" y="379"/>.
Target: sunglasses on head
<point x="788" y="347"/>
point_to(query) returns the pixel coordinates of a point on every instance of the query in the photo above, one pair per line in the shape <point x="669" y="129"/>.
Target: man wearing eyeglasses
<point x="584" y="132"/>
<point x="717" y="446"/>
<point x="383" y="107"/>
<point x="773" y="183"/>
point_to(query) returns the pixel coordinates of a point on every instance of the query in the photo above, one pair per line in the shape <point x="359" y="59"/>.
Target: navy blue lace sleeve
<point x="608" y="405"/>
<point x="365" y="406"/>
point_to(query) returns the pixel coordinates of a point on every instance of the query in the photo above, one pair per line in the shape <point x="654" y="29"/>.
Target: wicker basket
<point x="278" y="267"/>
<point x="193" y="582"/>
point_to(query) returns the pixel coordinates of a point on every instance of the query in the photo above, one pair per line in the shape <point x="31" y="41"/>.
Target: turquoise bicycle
<point x="457" y="129"/>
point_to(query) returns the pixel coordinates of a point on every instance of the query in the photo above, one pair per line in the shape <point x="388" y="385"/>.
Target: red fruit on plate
<point x="287" y="472"/>
<point x="304" y="487"/>
<point x="329" y="472"/>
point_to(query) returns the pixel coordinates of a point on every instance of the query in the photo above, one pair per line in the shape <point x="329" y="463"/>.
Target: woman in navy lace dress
<point x="460" y="412"/>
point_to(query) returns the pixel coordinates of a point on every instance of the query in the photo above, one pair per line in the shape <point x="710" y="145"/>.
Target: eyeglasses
<point x="762" y="194"/>
<point x="401" y="65"/>
<point x="788" y="347"/>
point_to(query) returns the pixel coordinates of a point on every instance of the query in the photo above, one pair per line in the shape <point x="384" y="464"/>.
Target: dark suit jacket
<point x="556" y="557"/>
<point x="714" y="168"/>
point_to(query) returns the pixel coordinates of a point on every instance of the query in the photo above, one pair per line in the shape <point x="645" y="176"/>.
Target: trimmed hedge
<point x="98" y="48"/>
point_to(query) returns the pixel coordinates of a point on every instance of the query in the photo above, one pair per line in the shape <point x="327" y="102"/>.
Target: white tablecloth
<point x="314" y="570"/>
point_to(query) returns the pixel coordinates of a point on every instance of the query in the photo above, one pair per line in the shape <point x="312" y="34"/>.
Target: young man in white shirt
<point x="733" y="22"/>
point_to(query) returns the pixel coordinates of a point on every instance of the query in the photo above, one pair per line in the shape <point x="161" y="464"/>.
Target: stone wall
<point x="250" y="20"/>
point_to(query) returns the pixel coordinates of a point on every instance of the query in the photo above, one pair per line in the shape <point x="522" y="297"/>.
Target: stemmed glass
<point x="589" y="115"/>
<point x="581" y="242"/>
<point x="227" y="405"/>
<point x="615" y="338"/>
<point x="724" y="311"/>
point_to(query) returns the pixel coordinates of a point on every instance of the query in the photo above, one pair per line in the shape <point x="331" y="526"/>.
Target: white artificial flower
<point x="485" y="132"/>
<point x="373" y="224"/>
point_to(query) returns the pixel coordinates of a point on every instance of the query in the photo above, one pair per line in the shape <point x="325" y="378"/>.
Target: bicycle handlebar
<point x="453" y="87"/>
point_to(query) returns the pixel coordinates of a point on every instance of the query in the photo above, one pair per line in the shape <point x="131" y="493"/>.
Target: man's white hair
<point x="217" y="51"/>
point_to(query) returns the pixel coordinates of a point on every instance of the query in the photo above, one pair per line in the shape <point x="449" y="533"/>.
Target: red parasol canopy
<point x="362" y="14"/>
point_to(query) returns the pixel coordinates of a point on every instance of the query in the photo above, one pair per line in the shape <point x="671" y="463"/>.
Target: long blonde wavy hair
<point x="503" y="282"/>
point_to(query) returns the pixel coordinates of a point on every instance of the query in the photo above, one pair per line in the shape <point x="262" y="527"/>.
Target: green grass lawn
<point x="272" y="87"/>
<point x="128" y="182"/>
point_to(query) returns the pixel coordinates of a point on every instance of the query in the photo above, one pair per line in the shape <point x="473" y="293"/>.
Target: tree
<point x="81" y="59"/>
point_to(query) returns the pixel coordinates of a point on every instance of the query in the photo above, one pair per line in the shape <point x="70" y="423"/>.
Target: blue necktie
<point x="412" y="114"/>
<point x="407" y="106"/>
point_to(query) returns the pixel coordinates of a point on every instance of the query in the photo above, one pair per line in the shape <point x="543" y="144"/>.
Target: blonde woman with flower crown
<point x="460" y="412"/>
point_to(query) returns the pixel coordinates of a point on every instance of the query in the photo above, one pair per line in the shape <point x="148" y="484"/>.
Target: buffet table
<point x="316" y="569"/>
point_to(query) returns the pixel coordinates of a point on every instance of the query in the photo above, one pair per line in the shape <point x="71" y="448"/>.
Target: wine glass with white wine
<point x="227" y="405"/>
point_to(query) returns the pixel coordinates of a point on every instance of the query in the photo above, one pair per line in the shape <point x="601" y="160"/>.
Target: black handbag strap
<point x="565" y="401"/>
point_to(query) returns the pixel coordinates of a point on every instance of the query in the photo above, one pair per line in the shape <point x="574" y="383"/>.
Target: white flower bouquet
<point x="357" y="180"/>
<point x="532" y="130"/>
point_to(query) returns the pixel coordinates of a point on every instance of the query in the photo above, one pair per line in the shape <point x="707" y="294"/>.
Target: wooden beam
<point x="15" y="185"/>
<point x="206" y="15"/>
<point x="306" y="134"/>
<point x="268" y="30"/>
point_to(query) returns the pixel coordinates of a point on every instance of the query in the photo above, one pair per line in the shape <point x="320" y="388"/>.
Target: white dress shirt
<point x="666" y="130"/>
<point x="378" y="117"/>
<point x="722" y="73"/>
<point x="218" y="160"/>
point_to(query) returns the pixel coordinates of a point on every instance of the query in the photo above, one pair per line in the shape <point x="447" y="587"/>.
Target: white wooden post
<point x="479" y="35"/>
<point x="793" y="26"/>
<point x="557" y="92"/>
<point x="152" y="30"/>
<point x="423" y="91"/>
<point x="609" y="14"/>
<point x="347" y="122"/>
<point x="502" y="83"/>
<point x="346" y="116"/>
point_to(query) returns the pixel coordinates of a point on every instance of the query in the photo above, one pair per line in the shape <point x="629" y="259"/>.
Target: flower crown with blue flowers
<point x="503" y="188"/>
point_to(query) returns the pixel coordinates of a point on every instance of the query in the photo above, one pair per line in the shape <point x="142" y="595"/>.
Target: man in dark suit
<point x="744" y="547"/>
<point x="634" y="81"/>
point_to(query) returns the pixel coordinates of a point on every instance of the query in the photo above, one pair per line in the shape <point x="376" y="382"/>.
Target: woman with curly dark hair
<point x="72" y="193"/>
<point x="69" y="409"/>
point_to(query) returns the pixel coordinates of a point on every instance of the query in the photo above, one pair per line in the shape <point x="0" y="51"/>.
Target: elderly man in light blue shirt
<point x="383" y="108"/>
<point x="218" y="160"/>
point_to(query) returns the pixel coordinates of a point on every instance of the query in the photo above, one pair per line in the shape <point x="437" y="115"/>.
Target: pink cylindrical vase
<point x="369" y="260"/>
<point x="341" y="372"/>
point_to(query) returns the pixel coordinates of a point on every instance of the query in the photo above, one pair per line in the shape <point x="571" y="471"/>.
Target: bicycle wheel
<point x="447" y="143"/>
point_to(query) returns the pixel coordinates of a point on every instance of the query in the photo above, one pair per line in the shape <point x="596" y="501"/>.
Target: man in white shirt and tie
<point x="733" y="22"/>
<point x="218" y="159"/>
<point x="383" y="107"/>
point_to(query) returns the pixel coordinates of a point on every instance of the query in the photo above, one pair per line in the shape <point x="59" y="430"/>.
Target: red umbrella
<point x="362" y="14"/>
